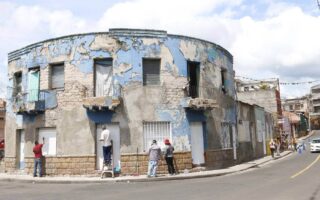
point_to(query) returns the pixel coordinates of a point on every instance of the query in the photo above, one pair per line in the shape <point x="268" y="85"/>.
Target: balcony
<point x="105" y="98"/>
<point x="199" y="98"/>
<point x="30" y="102"/>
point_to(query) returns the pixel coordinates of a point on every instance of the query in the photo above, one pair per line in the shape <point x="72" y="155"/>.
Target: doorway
<point x="115" y="136"/>
<point x="197" y="143"/>
<point x="20" y="149"/>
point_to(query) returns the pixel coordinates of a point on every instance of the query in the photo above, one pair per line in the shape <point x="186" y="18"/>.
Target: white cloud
<point x="284" y="43"/>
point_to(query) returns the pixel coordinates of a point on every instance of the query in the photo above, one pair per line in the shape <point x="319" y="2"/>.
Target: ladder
<point x="108" y="168"/>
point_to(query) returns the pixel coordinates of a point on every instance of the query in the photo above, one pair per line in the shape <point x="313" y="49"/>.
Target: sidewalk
<point x="141" y="178"/>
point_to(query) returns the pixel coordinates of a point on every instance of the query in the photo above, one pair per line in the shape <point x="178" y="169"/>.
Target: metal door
<point x="197" y="143"/>
<point x="21" y="144"/>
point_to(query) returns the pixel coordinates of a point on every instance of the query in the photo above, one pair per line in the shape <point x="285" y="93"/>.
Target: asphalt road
<point x="289" y="178"/>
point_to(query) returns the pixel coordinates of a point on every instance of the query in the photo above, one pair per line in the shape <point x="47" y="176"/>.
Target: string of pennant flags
<point x="281" y="83"/>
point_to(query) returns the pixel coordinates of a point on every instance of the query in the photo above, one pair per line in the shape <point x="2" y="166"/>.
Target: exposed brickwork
<point x="138" y="164"/>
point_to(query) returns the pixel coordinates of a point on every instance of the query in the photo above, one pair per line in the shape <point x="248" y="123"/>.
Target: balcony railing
<point x="30" y="101"/>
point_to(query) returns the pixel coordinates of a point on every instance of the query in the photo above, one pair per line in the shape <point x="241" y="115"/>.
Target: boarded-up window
<point x="151" y="71"/>
<point x="103" y="78"/>
<point x="57" y="76"/>
<point x="155" y="131"/>
<point x="50" y="137"/>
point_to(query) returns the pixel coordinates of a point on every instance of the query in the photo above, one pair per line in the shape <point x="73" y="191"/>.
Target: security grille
<point x="155" y="131"/>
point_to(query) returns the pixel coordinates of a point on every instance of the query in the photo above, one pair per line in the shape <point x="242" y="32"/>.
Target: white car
<point x="315" y="145"/>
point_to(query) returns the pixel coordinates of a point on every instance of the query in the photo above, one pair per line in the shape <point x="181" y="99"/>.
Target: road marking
<point x="308" y="167"/>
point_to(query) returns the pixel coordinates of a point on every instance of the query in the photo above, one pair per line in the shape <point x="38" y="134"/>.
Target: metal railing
<point x="20" y="98"/>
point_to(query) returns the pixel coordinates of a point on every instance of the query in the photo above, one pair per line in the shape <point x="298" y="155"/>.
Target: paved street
<point x="286" y="178"/>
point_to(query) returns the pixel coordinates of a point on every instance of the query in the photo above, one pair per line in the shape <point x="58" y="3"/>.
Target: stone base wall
<point x="2" y="166"/>
<point x="58" y="166"/>
<point x="217" y="159"/>
<point x="10" y="165"/>
<point x="133" y="164"/>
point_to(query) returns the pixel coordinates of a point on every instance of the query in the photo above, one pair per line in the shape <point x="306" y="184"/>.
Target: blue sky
<point x="268" y="38"/>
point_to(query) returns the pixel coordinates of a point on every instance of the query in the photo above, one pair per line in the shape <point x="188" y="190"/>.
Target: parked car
<point x="315" y="145"/>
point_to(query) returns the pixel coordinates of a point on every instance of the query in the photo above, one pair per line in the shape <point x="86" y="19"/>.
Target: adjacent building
<point x="315" y="107"/>
<point x="255" y="129"/>
<point x="141" y="84"/>
<point x="265" y="94"/>
<point x="297" y="112"/>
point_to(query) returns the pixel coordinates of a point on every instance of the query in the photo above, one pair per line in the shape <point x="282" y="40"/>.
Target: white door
<point x="50" y="137"/>
<point x="21" y="149"/>
<point x="115" y="136"/>
<point x="197" y="144"/>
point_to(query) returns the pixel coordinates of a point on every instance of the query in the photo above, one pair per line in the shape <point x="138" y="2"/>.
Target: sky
<point x="267" y="38"/>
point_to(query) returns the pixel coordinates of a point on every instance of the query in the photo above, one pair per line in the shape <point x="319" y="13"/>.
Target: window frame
<point x="52" y="66"/>
<point x="144" y="81"/>
<point x="154" y="128"/>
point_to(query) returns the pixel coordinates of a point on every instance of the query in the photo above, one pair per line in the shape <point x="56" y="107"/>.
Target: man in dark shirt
<point x="37" y="150"/>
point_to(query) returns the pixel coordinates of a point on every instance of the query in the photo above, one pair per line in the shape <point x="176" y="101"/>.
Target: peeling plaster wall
<point x="76" y="127"/>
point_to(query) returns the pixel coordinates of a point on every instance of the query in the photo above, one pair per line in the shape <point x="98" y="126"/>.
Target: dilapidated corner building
<point x="142" y="84"/>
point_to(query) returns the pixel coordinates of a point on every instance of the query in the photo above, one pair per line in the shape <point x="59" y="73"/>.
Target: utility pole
<point x="318" y="1"/>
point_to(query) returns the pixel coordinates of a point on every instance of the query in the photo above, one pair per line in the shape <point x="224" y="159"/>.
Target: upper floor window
<point x="103" y="77"/>
<point x="57" y="76"/>
<point x="223" y="80"/>
<point x="193" y="78"/>
<point x="17" y="83"/>
<point x="151" y="71"/>
<point x="33" y="84"/>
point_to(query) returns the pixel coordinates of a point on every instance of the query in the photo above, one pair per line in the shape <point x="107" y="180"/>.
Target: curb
<point x="128" y="180"/>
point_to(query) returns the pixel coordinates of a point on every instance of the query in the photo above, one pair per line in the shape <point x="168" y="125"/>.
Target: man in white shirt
<point x="107" y="145"/>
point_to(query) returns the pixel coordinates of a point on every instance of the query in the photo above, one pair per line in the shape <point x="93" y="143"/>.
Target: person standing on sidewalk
<point x="37" y="150"/>
<point x="168" y="154"/>
<point x="272" y="146"/>
<point x="154" y="157"/>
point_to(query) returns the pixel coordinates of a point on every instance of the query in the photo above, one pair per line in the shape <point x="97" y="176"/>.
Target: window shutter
<point x="57" y="76"/>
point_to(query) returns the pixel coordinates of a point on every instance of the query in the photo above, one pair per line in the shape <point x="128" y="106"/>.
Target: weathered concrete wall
<point x="75" y="126"/>
<point x="263" y="98"/>
<point x="246" y="132"/>
<point x="260" y="131"/>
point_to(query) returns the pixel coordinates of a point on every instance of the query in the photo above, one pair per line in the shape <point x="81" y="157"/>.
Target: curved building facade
<point x="141" y="84"/>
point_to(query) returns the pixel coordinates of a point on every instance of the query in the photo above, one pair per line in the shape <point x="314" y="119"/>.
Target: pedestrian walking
<point x="37" y="150"/>
<point x="105" y="138"/>
<point x="294" y="144"/>
<point x="168" y="154"/>
<point x="154" y="157"/>
<point x="272" y="146"/>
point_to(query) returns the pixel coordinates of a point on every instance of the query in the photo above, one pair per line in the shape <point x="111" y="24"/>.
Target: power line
<point x="281" y="83"/>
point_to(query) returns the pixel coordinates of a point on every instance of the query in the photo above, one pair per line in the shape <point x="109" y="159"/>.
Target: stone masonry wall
<point x="133" y="164"/>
